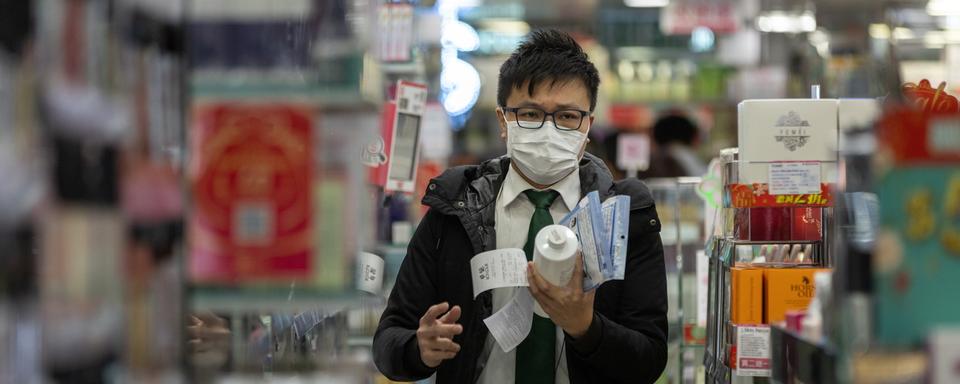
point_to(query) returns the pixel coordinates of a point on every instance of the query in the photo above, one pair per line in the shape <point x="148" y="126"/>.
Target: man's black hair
<point x="674" y="128"/>
<point x="547" y="55"/>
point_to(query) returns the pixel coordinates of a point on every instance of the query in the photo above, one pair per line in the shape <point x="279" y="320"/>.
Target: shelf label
<point x="794" y="178"/>
<point x="753" y="351"/>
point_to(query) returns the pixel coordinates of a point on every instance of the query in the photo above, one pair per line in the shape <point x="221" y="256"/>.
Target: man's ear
<point x="501" y="119"/>
<point x="589" y="126"/>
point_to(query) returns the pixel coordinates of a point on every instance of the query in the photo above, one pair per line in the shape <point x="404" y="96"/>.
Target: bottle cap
<point x="556" y="239"/>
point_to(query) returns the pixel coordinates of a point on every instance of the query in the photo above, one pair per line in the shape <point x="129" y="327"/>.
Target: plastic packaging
<point x="813" y="321"/>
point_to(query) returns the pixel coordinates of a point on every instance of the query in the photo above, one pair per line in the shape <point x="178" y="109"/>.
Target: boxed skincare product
<point x="746" y="296"/>
<point x="786" y="130"/>
<point x="787" y="289"/>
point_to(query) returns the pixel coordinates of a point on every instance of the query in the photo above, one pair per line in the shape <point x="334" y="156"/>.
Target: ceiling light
<point x="784" y="22"/>
<point x="506" y="26"/>
<point x="901" y="33"/>
<point x="943" y="7"/>
<point x="646" y="3"/>
<point x="879" y="31"/>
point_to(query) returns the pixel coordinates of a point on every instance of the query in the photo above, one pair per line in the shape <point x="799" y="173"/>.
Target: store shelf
<point x="360" y="341"/>
<point x="263" y="299"/>
<point x="411" y="67"/>
<point x="292" y="85"/>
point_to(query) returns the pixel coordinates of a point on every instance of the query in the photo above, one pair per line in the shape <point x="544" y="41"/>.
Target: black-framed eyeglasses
<point x="533" y="117"/>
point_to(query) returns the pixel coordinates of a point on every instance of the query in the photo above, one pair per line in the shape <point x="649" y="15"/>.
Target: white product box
<point x="787" y="130"/>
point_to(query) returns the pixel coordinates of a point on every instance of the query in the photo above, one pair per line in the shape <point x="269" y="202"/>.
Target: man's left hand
<point x="568" y="306"/>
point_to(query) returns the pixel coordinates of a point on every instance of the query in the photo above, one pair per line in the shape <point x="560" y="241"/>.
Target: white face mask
<point x="544" y="155"/>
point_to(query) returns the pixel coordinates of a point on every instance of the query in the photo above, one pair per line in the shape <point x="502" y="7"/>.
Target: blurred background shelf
<point x="287" y="85"/>
<point x="267" y="299"/>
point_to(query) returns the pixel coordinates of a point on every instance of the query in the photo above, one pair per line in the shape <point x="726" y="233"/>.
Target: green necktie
<point x="535" y="355"/>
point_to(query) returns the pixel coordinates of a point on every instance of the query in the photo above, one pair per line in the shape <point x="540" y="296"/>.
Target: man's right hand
<point x="436" y="332"/>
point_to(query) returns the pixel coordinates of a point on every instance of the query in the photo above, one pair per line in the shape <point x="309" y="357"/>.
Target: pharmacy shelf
<point x="286" y="84"/>
<point x="360" y="341"/>
<point x="275" y="299"/>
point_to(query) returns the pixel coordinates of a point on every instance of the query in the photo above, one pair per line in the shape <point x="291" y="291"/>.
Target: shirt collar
<point x="568" y="187"/>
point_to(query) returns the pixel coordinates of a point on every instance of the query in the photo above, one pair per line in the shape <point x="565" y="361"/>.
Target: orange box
<point x="787" y="289"/>
<point x="746" y="296"/>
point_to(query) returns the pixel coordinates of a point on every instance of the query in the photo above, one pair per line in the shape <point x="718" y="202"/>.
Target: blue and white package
<point x="602" y="231"/>
<point x="585" y="221"/>
<point x="616" y="221"/>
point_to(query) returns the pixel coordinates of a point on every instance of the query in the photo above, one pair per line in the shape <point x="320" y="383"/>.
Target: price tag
<point x="794" y="178"/>
<point x="753" y="351"/>
<point x="633" y="152"/>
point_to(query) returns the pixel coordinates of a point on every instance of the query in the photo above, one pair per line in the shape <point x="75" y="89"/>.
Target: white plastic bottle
<point x="554" y="254"/>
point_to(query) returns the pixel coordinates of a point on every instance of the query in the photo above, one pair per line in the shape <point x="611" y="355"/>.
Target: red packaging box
<point x="251" y="175"/>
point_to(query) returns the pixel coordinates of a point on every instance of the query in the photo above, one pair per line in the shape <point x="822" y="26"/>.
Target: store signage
<point x="682" y="17"/>
<point x="931" y="99"/>
<point x="252" y="184"/>
<point x="633" y="151"/>
<point x="759" y="195"/>
<point x="909" y="136"/>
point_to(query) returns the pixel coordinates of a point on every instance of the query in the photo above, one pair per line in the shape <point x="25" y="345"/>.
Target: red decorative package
<point x="251" y="179"/>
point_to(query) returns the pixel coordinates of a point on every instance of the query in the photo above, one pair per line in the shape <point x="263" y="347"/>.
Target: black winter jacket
<point x="626" y="343"/>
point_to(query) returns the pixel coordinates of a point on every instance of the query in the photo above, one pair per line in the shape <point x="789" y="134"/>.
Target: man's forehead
<point x="552" y="91"/>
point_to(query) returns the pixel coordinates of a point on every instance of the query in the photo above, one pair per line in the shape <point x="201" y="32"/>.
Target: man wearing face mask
<point x="614" y="334"/>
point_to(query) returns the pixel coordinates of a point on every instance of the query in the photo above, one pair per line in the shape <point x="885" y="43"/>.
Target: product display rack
<point x="323" y="67"/>
<point x="732" y="246"/>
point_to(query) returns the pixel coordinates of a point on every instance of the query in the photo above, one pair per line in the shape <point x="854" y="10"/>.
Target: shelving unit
<point x="733" y="247"/>
<point x="681" y="213"/>
<point x="286" y="85"/>
<point x="246" y="299"/>
<point x="328" y="71"/>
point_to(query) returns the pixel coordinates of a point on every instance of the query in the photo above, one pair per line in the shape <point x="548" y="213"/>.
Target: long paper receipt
<point x="512" y="323"/>
<point x="498" y="268"/>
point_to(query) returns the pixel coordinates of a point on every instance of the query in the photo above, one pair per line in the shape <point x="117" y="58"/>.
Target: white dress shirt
<point x="512" y="221"/>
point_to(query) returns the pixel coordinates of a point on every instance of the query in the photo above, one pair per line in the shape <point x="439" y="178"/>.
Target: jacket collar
<point x="468" y="189"/>
<point x="514" y="185"/>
